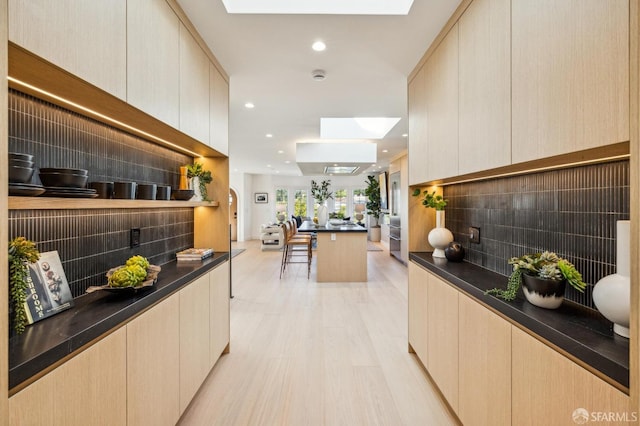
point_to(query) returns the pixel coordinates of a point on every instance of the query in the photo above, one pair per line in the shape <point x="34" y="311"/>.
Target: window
<point x="282" y="201"/>
<point x="300" y="203"/>
<point x="359" y="197"/>
<point x="340" y="202"/>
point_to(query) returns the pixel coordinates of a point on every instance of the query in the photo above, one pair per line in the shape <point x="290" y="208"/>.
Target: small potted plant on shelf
<point x="21" y="253"/>
<point x="439" y="237"/>
<point x="374" y="207"/>
<point x="199" y="178"/>
<point x="543" y="277"/>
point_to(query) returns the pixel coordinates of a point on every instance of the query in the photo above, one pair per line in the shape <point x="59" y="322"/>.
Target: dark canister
<point x="146" y="191"/>
<point x="454" y="252"/>
<point x="103" y="189"/>
<point x="163" y="192"/>
<point x="124" y="190"/>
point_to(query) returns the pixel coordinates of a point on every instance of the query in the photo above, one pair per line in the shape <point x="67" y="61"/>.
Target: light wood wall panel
<point x="4" y="226"/>
<point x="485" y="86"/>
<point x="570" y="76"/>
<point x="89" y="389"/>
<point x="417" y="143"/>
<point x="86" y="38"/>
<point x="418" y="283"/>
<point x="153" y="59"/>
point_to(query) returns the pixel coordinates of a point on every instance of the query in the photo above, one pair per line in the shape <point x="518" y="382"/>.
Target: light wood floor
<point x="304" y="353"/>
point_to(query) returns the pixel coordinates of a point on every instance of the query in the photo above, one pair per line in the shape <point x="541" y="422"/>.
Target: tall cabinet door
<point x="219" y="315"/>
<point x="194" y="88"/>
<point x="86" y="38"/>
<point x="485" y="360"/>
<point x="418" y="283"/>
<point x="153" y="365"/>
<point x="417" y="143"/>
<point x="219" y="110"/>
<point x="153" y="59"/>
<point x="570" y="75"/>
<point x="442" y="109"/>
<point x="485" y="86"/>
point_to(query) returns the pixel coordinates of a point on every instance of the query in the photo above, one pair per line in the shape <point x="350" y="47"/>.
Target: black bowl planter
<point x="543" y="292"/>
<point x="454" y="252"/>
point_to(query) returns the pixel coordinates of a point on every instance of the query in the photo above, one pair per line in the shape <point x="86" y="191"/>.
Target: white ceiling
<point x="269" y="61"/>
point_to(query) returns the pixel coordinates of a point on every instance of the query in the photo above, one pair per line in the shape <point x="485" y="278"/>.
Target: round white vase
<point x="612" y="294"/>
<point x="439" y="237"/>
<point x="323" y="215"/>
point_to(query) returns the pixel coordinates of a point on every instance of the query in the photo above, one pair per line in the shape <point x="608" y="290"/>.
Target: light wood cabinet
<point x="570" y="76"/>
<point x="547" y="387"/>
<point x="442" y="109"/>
<point x="484" y="366"/>
<point x="418" y="282"/>
<point x="153" y="59"/>
<point x="89" y="389"/>
<point x="86" y="38"/>
<point x="485" y="86"/>
<point x="442" y="337"/>
<point x="417" y="143"/>
<point x="194" y="88"/>
<point x="194" y="338"/>
<point x="219" y="312"/>
<point x="219" y="110"/>
<point x="153" y="365"/>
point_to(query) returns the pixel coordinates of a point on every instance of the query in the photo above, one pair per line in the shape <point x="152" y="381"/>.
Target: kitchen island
<point x="341" y="255"/>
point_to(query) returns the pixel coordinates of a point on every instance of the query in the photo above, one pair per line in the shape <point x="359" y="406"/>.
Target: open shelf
<point x="56" y="203"/>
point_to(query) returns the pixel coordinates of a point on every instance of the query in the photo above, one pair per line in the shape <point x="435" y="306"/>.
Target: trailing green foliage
<point x="430" y="199"/>
<point x="197" y="170"/>
<point x="321" y="192"/>
<point x="21" y="252"/>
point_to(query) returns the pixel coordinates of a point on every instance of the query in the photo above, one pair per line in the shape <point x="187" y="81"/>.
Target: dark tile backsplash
<point x="572" y="212"/>
<point x="90" y="242"/>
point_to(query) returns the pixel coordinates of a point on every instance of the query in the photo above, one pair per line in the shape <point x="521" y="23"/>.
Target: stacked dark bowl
<point x="20" y="174"/>
<point x="63" y="182"/>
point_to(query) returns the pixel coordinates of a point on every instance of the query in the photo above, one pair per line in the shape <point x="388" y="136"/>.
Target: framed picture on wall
<point x="261" y="197"/>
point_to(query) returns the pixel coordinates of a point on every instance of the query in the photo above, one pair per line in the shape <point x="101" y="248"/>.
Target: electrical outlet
<point x="474" y="235"/>
<point x="134" y="237"/>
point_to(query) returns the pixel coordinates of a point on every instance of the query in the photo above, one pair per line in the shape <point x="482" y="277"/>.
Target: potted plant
<point x="21" y="253"/>
<point x="321" y="194"/>
<point x="439" y="237"/>
<point x="374" y="209"/>
<point x="543" y="277"/>
<point x="199" y="178"/>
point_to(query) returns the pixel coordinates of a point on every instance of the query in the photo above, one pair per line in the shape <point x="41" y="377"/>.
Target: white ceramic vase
<point x="612" y="294"/>
<point x="323" y="215"/>
<point x="194" y="184"/>
<point x="439" y="237"/>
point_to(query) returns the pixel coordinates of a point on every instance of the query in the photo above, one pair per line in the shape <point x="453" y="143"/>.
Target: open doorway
<point x="233" y="214"/>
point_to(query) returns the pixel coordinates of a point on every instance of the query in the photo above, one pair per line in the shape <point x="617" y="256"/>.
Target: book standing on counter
<point x="194" y="254"/>
<point x="48" y="290"/>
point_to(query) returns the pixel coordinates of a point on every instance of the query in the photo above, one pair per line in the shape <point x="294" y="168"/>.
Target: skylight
<point x="356" y="128"/>
<point x="340" y="170"/>
<point x="324" y="7"/>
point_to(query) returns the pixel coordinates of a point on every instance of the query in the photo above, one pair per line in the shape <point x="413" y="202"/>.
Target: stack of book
<point x="194" y="254"/>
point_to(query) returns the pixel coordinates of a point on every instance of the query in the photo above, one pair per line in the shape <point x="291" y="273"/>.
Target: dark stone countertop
<point x="578" y="331"/>
<point x="46" y="342"/>
<point x="308" y="226"/>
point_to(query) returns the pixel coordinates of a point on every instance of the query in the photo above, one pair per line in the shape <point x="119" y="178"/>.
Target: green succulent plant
<point x="546" y="265"/>
<point x="197" y="170"/>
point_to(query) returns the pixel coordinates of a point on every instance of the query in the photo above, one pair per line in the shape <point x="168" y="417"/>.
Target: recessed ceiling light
<point x="269" y="165"/>
<point x="385" y="150"/>
<point x="268" y="135"/>
<point x="280" y="151"/>
<point x="319" y="46"/>
<point x="249" y="105"/>
<point x="287" y="162"/>
<point x="404" y="135"/>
